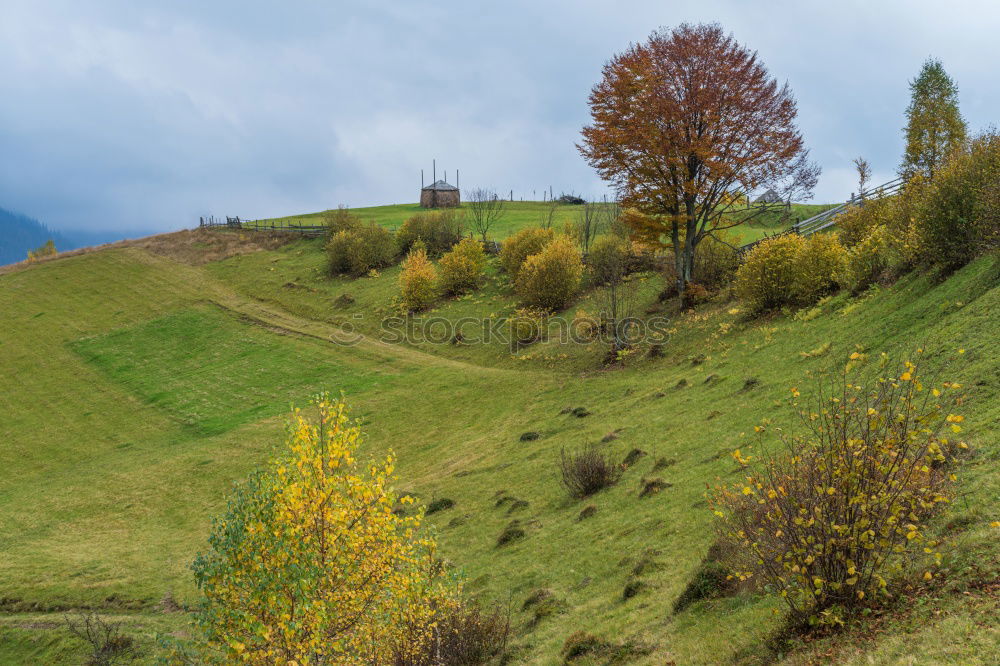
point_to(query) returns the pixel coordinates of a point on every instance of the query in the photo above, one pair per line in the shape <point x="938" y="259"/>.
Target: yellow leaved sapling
<point x="312" y="562"/>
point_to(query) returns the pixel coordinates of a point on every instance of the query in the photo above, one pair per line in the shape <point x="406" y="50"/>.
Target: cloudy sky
<point x="143" y="115"/>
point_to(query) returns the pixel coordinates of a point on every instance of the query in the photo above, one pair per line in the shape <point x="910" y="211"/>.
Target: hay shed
<point x="439" y="194"/>
<point x="769" y="197"/>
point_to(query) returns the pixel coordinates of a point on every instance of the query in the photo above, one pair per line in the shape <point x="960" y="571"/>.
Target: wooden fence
<point x="828" y="217"/>
<point x="261" y="225"/>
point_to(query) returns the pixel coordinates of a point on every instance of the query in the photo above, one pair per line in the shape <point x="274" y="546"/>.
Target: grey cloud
<point x="139" y="115"/>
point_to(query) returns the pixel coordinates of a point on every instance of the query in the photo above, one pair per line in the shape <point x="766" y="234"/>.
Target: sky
<point x="126" y="115"/>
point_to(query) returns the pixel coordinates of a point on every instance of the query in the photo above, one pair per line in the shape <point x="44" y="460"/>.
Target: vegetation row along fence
<point x="828" y="217"/>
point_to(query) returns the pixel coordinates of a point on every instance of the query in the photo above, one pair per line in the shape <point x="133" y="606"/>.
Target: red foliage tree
<point x="686" y="126"/>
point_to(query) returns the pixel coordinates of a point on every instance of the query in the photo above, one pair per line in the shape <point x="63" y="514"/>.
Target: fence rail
<point x="260" y="225"/>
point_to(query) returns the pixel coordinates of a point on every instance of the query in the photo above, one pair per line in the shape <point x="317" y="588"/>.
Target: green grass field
<point x="136" y="389"/>
<point x="521" y="214"/>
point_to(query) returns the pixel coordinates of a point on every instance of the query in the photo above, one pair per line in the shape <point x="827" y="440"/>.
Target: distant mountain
<point x="20" y="233"/>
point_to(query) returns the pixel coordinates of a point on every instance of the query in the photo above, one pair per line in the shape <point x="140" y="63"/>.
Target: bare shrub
<point x="588" y="470"/>
<point x="106" y="641"/>
<point x="464" y="635"/>
<point x="486" y="209"/>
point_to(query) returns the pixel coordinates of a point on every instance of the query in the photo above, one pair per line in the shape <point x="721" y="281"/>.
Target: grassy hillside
<point x="138" y="386"/>
<point x="521" y="214"/>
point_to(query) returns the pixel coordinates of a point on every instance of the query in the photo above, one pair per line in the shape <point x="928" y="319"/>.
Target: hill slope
<point x="138" y="387"/>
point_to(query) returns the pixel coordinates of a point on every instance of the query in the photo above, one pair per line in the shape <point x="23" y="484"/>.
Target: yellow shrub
<point x="790" y="270"/>
<point x="439" y="230"/>
<point x="843" y="510"/>
<point x="339" y="220"/>
<point x="819" y="268"/>
<point x="416" y="282"/>
<point x="608" y="259"/>
<point x="856" y="222"/>
<point x="870" y="259"/>
<point x="766" y="278"/>
<point x="520" y="246"/>
<point x="461" y="269"/>
<point x="358" y="250"/>
<point x="314" y="538"/>
<point x="551" y="278"/>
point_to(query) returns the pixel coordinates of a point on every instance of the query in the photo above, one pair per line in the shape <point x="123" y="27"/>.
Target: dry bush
<point x="551" y="278"/>
<point x="461" y="269"/>
<point x="588" y="470"/>
<point x="516" y="249"/>
<point x="464" y="634"/>
<point x="439" y="230"/>
<point x="830" y="521"/>
<point x="105" y="640"/>
<point x="417" y="281"/>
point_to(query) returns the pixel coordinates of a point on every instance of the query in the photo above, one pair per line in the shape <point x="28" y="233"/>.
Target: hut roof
<point x="441" y="186"/>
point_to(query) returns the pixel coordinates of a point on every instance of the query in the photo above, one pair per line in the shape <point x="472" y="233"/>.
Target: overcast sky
<point x="144" y="115"/>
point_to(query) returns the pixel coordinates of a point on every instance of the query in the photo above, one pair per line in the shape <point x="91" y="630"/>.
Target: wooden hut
<point x="439" y="194"/>
<point x="769" y="197"/>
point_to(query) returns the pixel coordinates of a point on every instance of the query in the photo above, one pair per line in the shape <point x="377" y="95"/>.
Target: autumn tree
<point x="934" y="126"/>
<point x="312" y="562"/>
<point x="686" y="126"/>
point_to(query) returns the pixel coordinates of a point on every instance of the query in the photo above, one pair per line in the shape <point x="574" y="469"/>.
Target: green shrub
<point x="790" y="270"/>
<point x="716" y="261"/>
<point x="608" y="260"/>
<point x="551" y="278"/>
<point x="869" y="260"/>
<point x="461" y="269"/>
<point x="417" y="281"/>
<point x="439" y="230"/>
<point x="830" y="522"/>
<point x="339" y="220"/>
<point x="958" y="217"/>
<point x="855" y="223"/>
<point x="516" y="249"/>
<point x="360" y="250"/>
